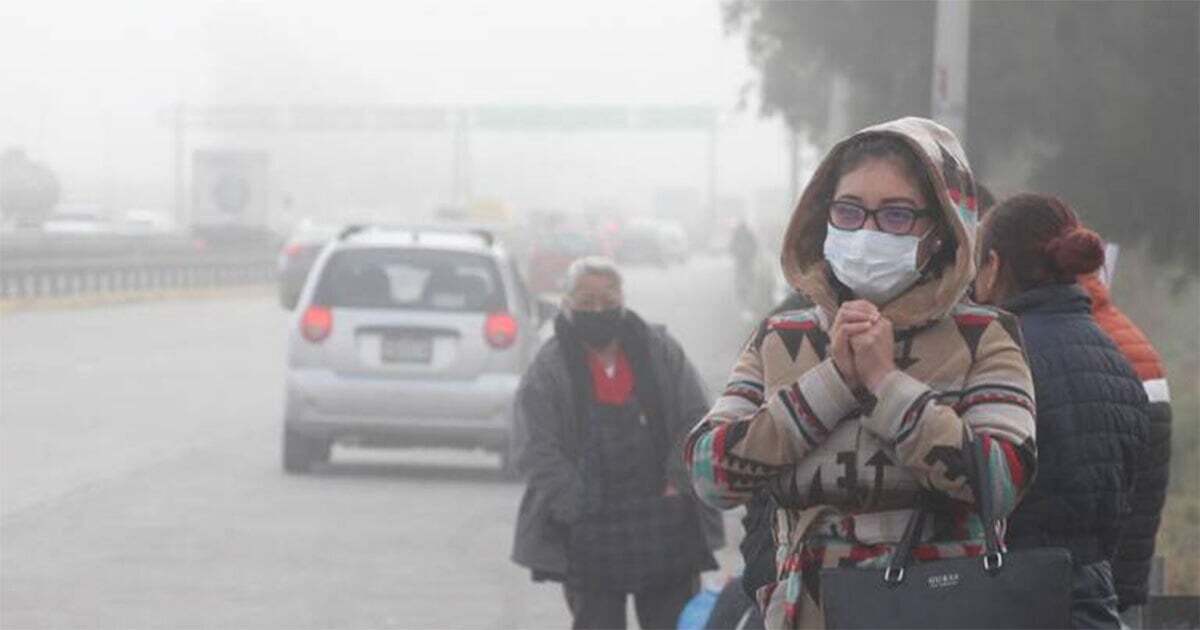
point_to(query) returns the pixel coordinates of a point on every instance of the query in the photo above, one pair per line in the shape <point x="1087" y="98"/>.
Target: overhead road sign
<point x="382" y="117"/>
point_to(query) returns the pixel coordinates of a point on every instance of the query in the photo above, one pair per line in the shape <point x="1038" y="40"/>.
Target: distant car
<point x="674" y="241"/>
<point x="297" y="257"/>
<point x="143" y="223"/>
<point x="78" y="219"/>
<point x="652" y="242"/>
<point x="407" y="337"/>
<point x="550" y="256"/>
<point x="234" y="237"/>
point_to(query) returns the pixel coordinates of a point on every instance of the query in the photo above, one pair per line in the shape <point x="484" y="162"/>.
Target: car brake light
<point x="292" y="249"/>
<point x="316" y="323"/>
<point x="500" y="330"/>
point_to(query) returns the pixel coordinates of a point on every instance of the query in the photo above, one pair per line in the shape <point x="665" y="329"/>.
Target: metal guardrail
<point x="1162" y="610"/>
<point x="65" y="277"/>
<point x="39" y="264"/>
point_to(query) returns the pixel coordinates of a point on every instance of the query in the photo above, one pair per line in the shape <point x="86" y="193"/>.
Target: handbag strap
<point x="982" y="489"/>
<point x="982" y="486"/>
<point x="894" y="573"/>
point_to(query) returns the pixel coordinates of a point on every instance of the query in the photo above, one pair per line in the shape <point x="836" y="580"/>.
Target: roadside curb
<point x="80" y="302"/>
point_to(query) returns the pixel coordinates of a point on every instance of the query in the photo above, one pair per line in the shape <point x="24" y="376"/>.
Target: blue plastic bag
<point x="695" y="614"/>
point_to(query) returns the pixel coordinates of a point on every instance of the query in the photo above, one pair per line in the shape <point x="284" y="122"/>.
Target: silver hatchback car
<point x="407" y="336"/>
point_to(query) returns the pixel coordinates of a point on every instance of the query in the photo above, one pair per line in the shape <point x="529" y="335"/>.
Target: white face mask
<point x="875" y="265"/>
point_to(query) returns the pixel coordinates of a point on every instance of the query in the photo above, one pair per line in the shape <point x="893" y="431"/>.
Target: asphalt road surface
<point x="140" y="484"/>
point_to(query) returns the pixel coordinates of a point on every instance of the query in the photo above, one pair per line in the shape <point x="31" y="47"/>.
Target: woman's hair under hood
<point x="1040" y="240"/>
<point x="882" y="146"/>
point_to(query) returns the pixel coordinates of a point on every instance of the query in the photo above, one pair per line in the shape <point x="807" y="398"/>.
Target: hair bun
<point x="1079" y="251"/>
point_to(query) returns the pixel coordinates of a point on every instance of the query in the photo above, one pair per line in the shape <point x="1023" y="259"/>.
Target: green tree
<point x="882" y="49"/>
<point x="28" y="190"/>
<point x="1105" y="99"/>
<point x="1098" y="102"/>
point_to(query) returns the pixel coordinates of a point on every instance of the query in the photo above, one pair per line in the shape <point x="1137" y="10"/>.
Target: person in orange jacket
<point x="1131" y="566"/>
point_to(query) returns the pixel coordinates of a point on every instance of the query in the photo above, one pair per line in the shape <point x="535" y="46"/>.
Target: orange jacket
<point x="1128" y="337"/>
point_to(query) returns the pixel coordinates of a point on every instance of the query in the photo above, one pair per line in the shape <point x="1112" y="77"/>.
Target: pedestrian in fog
<point x="744" y="248"/>
<point x="1091" y="407"/>
<point x="891" y="385"/>
<point x="601" y="415"/>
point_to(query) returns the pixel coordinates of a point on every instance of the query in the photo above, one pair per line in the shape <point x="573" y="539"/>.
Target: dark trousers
<point x="657" y="607"/>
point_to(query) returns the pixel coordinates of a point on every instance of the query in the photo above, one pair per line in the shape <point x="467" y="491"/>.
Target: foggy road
<point x="141" y="485"/>
<point x="161" y="162"/>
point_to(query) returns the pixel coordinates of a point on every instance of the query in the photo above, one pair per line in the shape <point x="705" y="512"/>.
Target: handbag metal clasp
<point x="893" y="575"/>
<point x="993" y="562"/>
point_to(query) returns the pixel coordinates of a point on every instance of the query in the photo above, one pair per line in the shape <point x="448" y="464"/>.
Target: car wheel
<point x="300" y="451"/>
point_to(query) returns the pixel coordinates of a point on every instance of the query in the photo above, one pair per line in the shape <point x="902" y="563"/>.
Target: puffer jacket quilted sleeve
<point x="1131" y="567"/>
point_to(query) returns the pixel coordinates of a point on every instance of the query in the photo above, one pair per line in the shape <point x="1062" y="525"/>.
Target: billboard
<point x="383" y="117"/>
<point x="229" y="187"/>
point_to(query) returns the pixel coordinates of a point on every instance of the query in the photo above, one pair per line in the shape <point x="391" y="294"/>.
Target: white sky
<point x="82" y="83"/>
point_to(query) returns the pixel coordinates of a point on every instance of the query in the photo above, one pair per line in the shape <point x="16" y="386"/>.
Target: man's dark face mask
<point x="597" y="328"/>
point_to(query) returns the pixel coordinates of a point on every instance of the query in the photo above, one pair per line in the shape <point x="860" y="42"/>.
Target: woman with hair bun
<point x="1091" y="407"/>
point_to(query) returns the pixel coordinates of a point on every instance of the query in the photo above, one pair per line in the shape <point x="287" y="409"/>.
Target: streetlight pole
<point x="712" y="173"/>
<point x="180" y="201"/>
<point x="793" y="150"/>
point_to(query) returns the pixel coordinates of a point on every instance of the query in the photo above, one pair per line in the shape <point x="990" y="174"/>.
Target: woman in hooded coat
<point x="888" y="387"/>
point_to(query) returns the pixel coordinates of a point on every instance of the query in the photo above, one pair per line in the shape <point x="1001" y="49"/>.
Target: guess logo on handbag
<point x="945" y="580"/>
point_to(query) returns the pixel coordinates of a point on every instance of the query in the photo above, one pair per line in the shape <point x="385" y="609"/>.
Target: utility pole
<point x="951" y="45"/>
<point x="460" y="186"/>
<point x="793" y="149"/>
<point x="838" y="121"/>
<point x="180" y="201"/>
<point x="712" y="173"/>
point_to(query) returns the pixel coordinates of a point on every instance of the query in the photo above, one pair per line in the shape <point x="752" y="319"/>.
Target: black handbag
<point x="1016" y="589"/>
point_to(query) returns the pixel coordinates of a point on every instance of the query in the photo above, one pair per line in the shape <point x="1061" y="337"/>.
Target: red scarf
<point x="615" y="389"/>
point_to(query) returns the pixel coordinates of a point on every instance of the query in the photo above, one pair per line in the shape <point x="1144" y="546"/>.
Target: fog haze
<point x="88" y="89"/>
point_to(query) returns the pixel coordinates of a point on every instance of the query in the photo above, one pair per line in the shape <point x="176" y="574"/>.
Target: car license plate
<point x="406" y="349"/>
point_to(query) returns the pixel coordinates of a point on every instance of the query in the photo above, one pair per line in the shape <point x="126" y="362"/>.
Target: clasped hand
<point x="862" y="345"/>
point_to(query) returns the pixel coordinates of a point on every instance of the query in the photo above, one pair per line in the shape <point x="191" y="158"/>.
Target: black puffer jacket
<point x="1091" y="427"/>
<point x="1131" y="567"/>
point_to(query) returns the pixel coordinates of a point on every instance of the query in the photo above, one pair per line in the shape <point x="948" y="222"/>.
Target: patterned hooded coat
<point x="848" y="467"/>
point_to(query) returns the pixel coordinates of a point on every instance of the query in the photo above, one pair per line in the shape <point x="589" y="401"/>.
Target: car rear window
<point x="571" y="244"/>
<point x="411" y="279"/>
